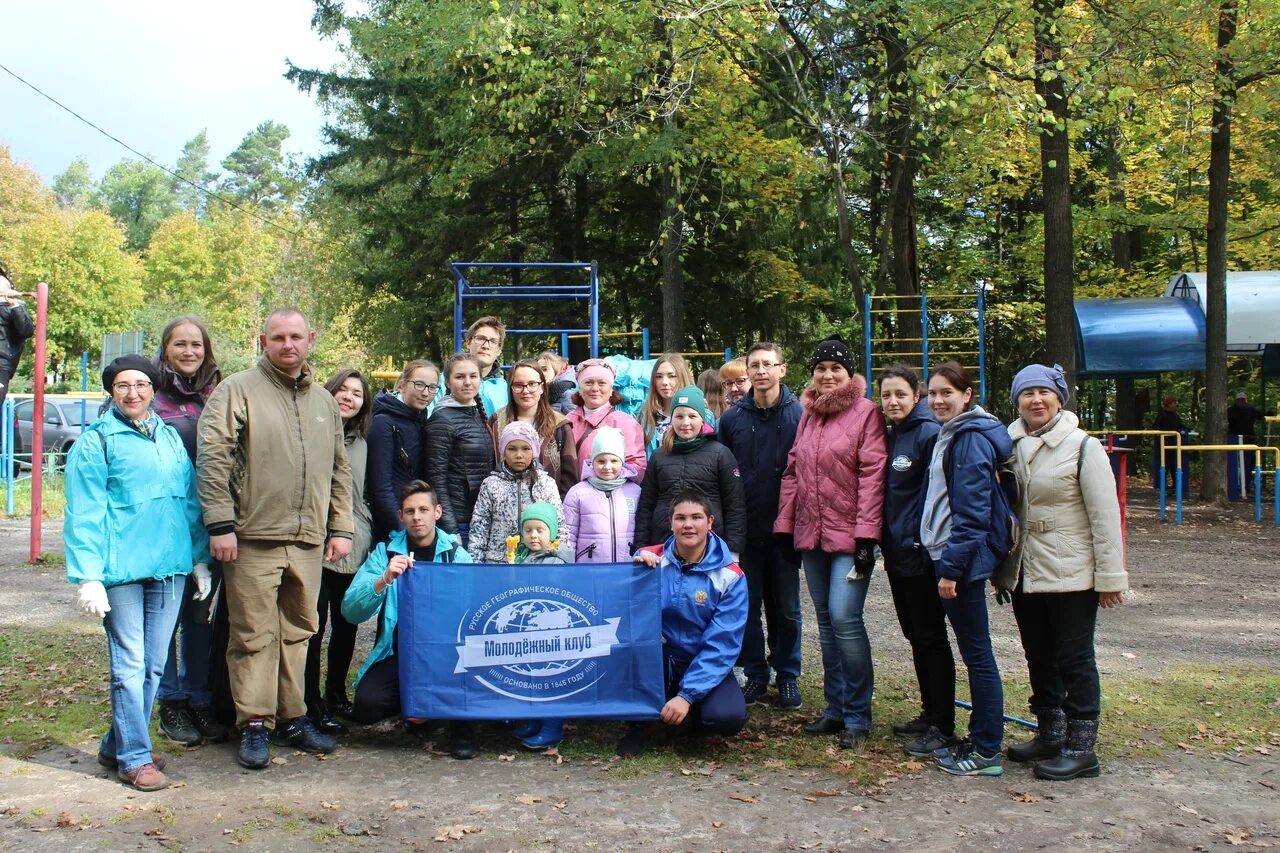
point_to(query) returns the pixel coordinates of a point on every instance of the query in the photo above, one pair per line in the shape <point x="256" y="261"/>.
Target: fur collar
<point x="834" y="402"/>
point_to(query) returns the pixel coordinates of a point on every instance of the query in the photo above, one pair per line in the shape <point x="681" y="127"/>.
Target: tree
<point x="259" y="172"/>
<point x="193" y="174"/>
<point x="74" y="185"/>
<point x="137" y="195"/>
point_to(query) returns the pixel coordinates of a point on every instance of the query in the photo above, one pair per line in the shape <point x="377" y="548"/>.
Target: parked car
<point x="63" y="421"/>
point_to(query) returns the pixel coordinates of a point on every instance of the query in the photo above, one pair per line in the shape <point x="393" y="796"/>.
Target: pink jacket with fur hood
<point x="833" y="488"/>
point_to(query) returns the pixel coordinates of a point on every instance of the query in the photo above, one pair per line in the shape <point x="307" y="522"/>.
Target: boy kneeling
<point x="373" y="593"/>
<point x="704" y="613"/>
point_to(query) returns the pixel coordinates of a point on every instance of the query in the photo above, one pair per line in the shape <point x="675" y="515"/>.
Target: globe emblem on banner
<point x="536" y="614"/>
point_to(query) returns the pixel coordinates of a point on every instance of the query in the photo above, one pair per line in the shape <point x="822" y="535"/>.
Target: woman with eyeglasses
<point x="397" y="442"/>
<point x="133" y="533"/>
<point x="529" y="402"/>
<point x="595" y="401"/>
<point x="734" y="381"/>
<point x="670" y="373"/>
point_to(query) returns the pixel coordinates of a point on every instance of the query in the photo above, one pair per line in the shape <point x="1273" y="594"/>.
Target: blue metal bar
<point x="960" y="703"/>
<point x="481" y="293"/>
<point x="8" y="457"/>
<point x="548" y="331"/>
<point x="564" y="344"/>
<point x="595" y="310"/>
<point x="866" y="339"/>
<point x="1257" y="493"/>
<point x="982" y="346"/>
<point x="924" y="336"/>
<point x="1177" y="489"/>
<point x="1275" y="494"/>
<point x="728" y="354"/>
<point x="1164" y="498"/>
<point x="460" y="286"/>
<point x="644" y="343"/>
<point x="572" y="265"/>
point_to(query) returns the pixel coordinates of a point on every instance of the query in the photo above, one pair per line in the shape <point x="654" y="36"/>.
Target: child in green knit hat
<point x="538" y="541"/>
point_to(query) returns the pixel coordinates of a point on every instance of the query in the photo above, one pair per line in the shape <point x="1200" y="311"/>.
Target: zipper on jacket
<point x="302" y="444"/>
<point x="613" y="528"/>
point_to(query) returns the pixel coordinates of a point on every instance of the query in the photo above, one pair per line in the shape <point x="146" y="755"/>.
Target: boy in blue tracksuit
<point x="373" y="593"/>
<point x="704" y="612"/>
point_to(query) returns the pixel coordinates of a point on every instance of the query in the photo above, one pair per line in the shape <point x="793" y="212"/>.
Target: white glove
<point x="204" y="581"/>
<point x="93" y="599"/>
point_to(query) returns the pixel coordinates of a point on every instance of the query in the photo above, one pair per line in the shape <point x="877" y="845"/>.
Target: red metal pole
<point x="1123" y="485"/>
<point x="37" y="420"/>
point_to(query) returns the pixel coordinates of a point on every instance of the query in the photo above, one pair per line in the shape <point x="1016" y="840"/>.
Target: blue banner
<point x="480" y="641"/>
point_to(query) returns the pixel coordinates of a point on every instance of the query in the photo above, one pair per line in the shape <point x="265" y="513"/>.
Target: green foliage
<point x="74" y="185"/>
<point x="193" y="174"/>
<point x="258" y="171"/>
<point x="137" y="195"/>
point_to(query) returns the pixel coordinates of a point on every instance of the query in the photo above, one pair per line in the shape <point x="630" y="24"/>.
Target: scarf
<point x="606" y="485"/>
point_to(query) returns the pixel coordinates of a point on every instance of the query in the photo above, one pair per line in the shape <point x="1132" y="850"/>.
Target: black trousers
<point x="1057" y="637"/>
<point x="924" y="624"/>
<point x="378" y="692"/>
<point x="342" y="641"/>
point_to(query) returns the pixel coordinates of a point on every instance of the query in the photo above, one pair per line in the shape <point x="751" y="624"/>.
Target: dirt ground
<point x="1205" y="592"/>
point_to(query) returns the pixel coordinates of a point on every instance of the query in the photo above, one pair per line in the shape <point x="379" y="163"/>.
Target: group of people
<point x="218" y="526"/>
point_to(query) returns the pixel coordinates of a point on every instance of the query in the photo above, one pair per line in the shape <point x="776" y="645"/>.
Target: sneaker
<point x="851" y="738"/>
<point x="208" y="727"/>
<point x="824" y="725"/>
<point x="110" y="760"/>
<point x="928" y="744"/>
<point x="254" y="752"/>
<point x="918" y="726"/>
<point x="971" y="763"/>
<point x="301" y="733"/>
<point x="176" y="724"/>
<point x="145" y="778"/>
<point x="789" y="695"/>
<point x="754" y="690"/>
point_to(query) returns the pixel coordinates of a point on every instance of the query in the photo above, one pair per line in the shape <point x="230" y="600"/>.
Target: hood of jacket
<point x="386" y="403"/>
<point x="919" y="415"/>
<point x="978" y="419"/>
<point x="824" y="405"/>
<point x="716" y="557"/>
<point x="447" y="402"/>
<point x="1054" y="434"/>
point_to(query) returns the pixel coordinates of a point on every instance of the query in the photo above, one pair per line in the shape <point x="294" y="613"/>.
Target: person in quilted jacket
<point x="515" y="484"/>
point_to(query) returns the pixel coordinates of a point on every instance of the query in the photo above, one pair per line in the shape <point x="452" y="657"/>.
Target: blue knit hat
<point x="1039" y="376"/>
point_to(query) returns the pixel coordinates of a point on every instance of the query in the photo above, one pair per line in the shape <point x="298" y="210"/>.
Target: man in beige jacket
<point x="275" y="487"/>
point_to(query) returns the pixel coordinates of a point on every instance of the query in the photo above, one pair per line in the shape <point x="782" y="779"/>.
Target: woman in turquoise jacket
<point x="133" y="532"/>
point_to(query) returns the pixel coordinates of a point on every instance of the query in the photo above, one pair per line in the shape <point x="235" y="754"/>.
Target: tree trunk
<point x="905" y="266"/>
<point x="672" y="271"/>
<point x="845" y="235"/>
<point x="1055" y="171"/>
<point x="1213" y="484"/>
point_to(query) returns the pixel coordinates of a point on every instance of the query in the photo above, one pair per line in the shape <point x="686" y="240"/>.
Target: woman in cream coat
<point x="1070" y="562"/>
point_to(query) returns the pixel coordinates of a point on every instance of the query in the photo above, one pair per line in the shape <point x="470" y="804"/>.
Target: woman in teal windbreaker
<point x="133" y="532"/>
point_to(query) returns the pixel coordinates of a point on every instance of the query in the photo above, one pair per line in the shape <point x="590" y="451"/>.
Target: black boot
<point x="1077" y="757"/>
<point x="1048" y="740"/>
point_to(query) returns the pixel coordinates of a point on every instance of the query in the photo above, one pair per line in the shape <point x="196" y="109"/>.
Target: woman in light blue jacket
<point x="133" y="532"/>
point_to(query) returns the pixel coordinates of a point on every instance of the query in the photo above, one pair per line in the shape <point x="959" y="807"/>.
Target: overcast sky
<point x="153" y="73"/>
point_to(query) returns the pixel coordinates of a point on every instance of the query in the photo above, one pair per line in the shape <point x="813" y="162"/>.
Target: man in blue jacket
<point x="760" y="429"/>
<point x="704" y="610"/>
<point x="373" y="593"/>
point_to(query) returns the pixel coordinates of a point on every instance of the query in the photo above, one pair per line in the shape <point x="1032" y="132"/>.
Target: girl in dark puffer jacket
<point x="690" y="457"/>
<point x="460" y="446"/>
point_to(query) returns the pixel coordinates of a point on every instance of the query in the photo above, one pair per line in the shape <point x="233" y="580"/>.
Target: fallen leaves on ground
<point x="398" y="804"/>
<point x="743" y="798"/>
<point x="1237" y="837"/>
<point x="827" y="793"/>
<point x="278" y="760"/>
<point x="454" y="832"/>
<point x="528" y="799"/>
<point x="66" y="819"/>
<point x="325" y="804"/>
<point x="1025" y="796"/>
<point x="506" y="757"/>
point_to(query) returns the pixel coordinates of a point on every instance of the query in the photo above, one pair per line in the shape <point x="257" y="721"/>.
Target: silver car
<point x="63" y="422"/>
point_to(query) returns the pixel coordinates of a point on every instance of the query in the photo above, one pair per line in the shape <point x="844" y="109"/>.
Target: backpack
<point x="1006" y="534"/>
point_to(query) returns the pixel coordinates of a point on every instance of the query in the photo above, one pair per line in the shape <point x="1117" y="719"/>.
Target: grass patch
<point x="53" y="687"/>
<point x="53" y="499"/>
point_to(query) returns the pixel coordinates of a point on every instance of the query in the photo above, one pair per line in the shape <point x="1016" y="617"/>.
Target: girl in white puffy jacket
<point x="601" y="510"/>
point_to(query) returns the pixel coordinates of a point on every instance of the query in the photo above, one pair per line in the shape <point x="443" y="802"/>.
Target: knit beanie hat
<point x="608" y="440"/>
<point x="832" y="349"/>
<point x="129" y="362"/>
<point x="543" y="512"/>
<point x="1040" y="376"/>
<point x="596" y="368"/>
<point x="519" y="431"/>
<point x="691" y="397"/>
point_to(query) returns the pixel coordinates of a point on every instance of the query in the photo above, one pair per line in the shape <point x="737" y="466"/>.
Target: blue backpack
<point x="1007" y="532"/>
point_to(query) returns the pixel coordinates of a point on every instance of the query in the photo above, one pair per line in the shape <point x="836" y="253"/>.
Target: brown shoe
<point x="110" y="760"/>
<point x="144" y="778"/>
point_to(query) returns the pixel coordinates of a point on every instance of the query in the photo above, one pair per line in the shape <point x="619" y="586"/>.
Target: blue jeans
<point x="967" y="613"/>
<point x="847" y="674"/>
<point x="188" y="678"/>
<point x="139" y="629"/>
<point x="775" y="584"/>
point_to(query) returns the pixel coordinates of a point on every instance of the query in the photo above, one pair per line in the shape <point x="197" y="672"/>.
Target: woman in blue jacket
<point x="912" y="432"/>
<point x="960" y="530"/>
<point x="704" y="613"/>
<point x="133" y="533"/>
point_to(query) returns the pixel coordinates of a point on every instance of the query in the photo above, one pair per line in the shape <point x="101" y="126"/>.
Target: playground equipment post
<point x="37" y="419"/>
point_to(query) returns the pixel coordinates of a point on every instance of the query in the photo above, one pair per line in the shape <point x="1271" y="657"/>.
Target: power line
<point x="208" y="192"/>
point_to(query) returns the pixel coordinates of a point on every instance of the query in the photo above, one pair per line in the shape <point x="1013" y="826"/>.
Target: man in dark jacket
<point x="760" y="429"/>
<point x="15" y="329"/>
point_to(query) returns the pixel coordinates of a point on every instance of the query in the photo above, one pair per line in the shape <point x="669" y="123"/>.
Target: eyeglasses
<point x="423" y="386"/>
<point x="521" y="387"/>
<point x="740" y="382"/>
<point x="763" y="366"/>
<point x="485" y="340"/>
<point x="126" y="387"/>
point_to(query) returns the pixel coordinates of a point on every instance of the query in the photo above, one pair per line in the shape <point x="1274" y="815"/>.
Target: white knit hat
<point x="608" y="440"/>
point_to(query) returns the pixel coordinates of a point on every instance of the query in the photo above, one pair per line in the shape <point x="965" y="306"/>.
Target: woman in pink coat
<point x="595" y="400"/>
<point x="830" y="511"/>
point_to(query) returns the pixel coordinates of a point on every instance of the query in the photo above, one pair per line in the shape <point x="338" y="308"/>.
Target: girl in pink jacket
<point x="830" y="511"/>
<point x="601" y="510"/>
